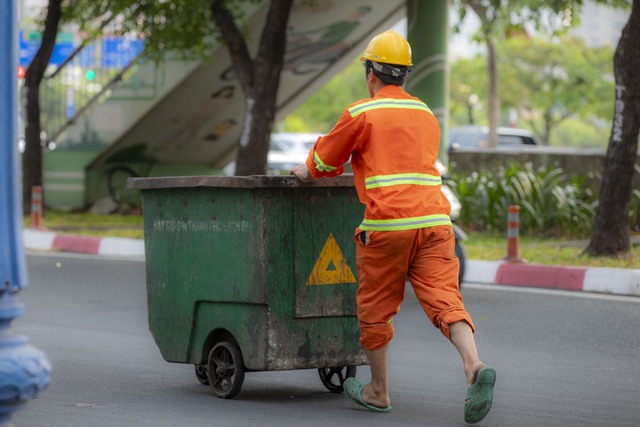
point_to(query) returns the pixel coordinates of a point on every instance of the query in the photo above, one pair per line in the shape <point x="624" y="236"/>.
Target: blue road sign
<point x="29" y="47"/>
<point x="119" y="52"/>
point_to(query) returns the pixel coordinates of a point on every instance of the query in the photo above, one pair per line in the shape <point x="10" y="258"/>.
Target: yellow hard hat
<point x="389" y="47"/>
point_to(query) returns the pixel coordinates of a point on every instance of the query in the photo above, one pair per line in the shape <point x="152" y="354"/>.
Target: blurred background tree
<point x="559" y="84"/>
<point x="554" y="80"/>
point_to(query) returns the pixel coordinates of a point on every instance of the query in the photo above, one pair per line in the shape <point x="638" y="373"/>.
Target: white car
<point x="287" y="150"/>
<point x="473" y="137"/>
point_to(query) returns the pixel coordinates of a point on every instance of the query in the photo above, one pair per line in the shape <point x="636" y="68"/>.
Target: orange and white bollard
<point x="513" y="234"/>
<point x="36" y="206"/>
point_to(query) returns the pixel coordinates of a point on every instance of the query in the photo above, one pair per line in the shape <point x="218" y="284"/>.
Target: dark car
<point x="478" y="137"/>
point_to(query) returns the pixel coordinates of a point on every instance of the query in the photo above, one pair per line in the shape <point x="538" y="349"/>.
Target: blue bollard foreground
<point x="24" y="370"/>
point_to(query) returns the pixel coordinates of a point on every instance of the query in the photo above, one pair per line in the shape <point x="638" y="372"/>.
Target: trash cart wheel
<point x="201" y="373"/>
<point x="226" y="370"/>
<point x="334" y="378"/>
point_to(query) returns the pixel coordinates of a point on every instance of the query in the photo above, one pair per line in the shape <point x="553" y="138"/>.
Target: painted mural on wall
<point x="198" y="129"/>
<point x="307" y="49"/>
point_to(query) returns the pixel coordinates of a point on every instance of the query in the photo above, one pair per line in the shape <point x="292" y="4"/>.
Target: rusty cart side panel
<point x="197" y="248"/>
<point x="251" y="325"/>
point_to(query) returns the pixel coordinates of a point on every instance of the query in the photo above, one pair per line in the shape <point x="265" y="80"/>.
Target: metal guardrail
<point x="84" y="79"/>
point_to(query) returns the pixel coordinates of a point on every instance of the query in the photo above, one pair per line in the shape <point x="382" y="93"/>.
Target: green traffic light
<point x="90" y="75"/>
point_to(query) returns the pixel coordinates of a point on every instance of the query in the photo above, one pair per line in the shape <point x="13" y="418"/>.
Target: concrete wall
<point x="64" y="178"/>
<point x="68" y="185"/>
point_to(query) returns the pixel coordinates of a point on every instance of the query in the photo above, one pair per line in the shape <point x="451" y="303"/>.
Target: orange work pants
<point x="385" y="259"/>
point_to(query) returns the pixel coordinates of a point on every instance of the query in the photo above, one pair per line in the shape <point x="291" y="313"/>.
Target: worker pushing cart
<point x="393" y="141"/>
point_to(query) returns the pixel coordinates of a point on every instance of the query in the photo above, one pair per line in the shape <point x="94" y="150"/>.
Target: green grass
<point x="99" y="225"/>
<point x="492" y="247"/>
<point x="480" y="245"/>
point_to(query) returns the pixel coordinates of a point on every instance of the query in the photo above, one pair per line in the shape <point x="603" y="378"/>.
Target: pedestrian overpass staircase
<point x="138" y="118"/>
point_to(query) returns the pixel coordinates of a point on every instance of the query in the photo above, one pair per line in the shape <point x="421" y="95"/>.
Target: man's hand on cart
<point x="302" y="172"/>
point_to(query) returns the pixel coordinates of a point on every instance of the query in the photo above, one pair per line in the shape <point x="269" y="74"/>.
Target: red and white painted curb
<point x="109" y="246"/>
<point x="618" y="281"/>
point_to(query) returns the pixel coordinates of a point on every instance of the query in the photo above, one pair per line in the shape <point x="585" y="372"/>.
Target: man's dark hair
<point x="388" y="79"/>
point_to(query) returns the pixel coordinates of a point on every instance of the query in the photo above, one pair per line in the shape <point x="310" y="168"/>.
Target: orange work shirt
<point x="393" y="140"/>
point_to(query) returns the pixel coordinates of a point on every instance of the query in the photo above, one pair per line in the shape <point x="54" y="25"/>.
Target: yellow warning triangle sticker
<point x="331" y="268"/>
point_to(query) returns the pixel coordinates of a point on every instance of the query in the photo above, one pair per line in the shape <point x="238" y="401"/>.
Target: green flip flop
<point x="480" y="396"/>
<point x="353" y="388"/>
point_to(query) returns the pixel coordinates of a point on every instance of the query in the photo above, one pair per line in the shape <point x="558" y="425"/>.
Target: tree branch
<point x="236" y="44"/>
<point x="481" y="12"/>
<point x="273" y="41"/>
<point x="38" y="65"/>
<point x="560" y="119"/>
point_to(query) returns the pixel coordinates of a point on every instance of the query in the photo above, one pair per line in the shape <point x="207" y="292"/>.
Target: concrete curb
<point x="108" y="246"/>
<point x="602" y="280"/>
<point x="586" y="279"/>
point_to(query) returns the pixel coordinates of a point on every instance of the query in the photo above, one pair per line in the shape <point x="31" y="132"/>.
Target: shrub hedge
<point x="551" y="202"/>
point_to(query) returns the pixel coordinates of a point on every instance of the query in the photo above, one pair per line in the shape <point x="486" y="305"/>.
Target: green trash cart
<point x="252" y="274"/>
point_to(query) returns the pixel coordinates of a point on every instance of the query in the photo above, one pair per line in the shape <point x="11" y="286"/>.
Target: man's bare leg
<point x="462" y="338"/>
<point x="480" y="379"/>
<point x="377" y="391"/>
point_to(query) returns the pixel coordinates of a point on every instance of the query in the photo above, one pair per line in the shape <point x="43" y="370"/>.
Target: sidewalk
<point x="616" y="281"/>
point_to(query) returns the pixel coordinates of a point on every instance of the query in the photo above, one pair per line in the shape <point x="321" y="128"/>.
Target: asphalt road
<point x="563" y="359"/>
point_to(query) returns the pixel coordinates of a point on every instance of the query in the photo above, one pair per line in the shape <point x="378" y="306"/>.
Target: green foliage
<point x="468" y="78"/>
<point x="559" y="79"/>
<point x="548" y="83"/>
<point x="183" y="28"/>
<point x="551" y="203"/>
<point x="502" y="18"/>
<point x="580" y="133"/>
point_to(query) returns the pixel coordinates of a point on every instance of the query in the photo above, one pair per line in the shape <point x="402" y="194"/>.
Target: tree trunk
<point x="548" y="118"/>
<point x="494" y="101"/>
<point x="492" y="68"/>
<point x="32" y="156"/>
<point x="259" y="78"/>
<point x="611" y="230"/>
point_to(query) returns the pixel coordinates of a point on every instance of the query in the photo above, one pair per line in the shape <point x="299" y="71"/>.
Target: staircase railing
<point x="84" y="79"/>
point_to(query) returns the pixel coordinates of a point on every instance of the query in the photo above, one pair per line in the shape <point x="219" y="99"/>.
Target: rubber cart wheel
<point x="333" y="378"/>
<point x="226" y="370"/>
<point x="201" y="373"/>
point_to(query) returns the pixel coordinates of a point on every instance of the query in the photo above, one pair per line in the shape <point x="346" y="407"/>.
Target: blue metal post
<point x="24" y="370"/>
